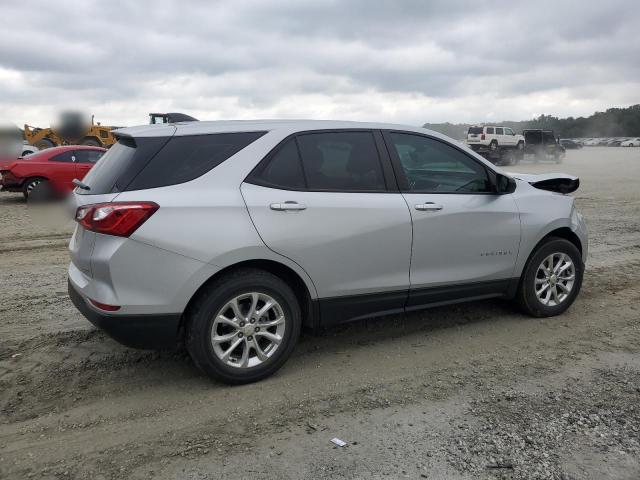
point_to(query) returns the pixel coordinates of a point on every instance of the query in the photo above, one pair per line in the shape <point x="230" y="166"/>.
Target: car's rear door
<point x="328" y="201"/>
<point x="465" y="238"/>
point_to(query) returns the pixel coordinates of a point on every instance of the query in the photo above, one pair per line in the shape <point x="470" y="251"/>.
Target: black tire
<point x="91" y="142"/>
<point x="493" y="146"/>
<point x="526" y="296"/>
<point x="44" y="143"/>
<point x="29" y="185"/>
<point x="200" y="318"/>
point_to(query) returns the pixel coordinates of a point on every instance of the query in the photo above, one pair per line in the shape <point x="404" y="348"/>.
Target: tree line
<point x="615" y="122"/>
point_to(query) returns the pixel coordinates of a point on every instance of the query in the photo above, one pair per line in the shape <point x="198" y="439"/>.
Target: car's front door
<point x="85" y="160"/>
<point x="465" y="237"/>
<point x="62" y="169"/>
<point x="328" y="201"/>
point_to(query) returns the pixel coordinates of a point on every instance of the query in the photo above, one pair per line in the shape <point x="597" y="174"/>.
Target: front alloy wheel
<point x="551" y="279"/>
<point x="554" y="279"/>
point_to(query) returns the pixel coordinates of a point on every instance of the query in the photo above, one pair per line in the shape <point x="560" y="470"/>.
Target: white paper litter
<point x="338" y="442"/>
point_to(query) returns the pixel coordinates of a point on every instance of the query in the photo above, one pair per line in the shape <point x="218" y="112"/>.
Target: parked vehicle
<point x="28" y="149"/>
<point x="632" y="142"/>
<point x="264" y="227"/>
<point x="543" y="144"/>
<point x="93" y="134"/>
<point x="570" y="144"/>
<point x="156" y="118"/>
<point x="49" y="171"/>
<point x="493" y="141"/>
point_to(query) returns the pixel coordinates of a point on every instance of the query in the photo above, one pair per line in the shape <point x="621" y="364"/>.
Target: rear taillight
<point x="482" y="137"/>
<point x="118" y="218"/>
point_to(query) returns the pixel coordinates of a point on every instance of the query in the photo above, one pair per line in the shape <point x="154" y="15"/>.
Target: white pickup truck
<point x="494" y="141"/>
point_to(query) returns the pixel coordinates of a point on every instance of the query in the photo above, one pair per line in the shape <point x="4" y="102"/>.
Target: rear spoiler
<point x="553" y="182"/>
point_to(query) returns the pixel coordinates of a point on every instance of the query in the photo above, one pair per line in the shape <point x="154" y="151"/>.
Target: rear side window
<point x="548" y="137"/>
<point x="149" y="162"/>
<point x="489" y="130"/>
<point x="341" y="161"/>
<point x="186" y="158"/>
<point x="283" y="170"/>
<point x="122" y="162"/>
<point x="499" y="131"/>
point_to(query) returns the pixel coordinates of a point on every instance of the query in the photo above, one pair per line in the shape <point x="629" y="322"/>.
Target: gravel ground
<point x="469" y="391"/>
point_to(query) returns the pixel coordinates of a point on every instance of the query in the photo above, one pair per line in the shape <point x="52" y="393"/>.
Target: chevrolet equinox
<point x="232" y="236"/>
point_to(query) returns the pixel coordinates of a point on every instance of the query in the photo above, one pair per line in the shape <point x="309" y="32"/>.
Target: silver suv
<point x="232" y="236"/>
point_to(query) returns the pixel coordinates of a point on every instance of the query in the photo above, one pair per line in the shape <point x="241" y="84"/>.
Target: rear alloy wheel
<point x="243" y="327"/>
<point x="552" y="279"/>
<point x="248" y="330"/>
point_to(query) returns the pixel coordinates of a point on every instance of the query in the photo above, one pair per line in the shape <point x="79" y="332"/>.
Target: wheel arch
<point x="558" y="232"/>
<point x="35" y="177"/>
<point x="309" y="307"/>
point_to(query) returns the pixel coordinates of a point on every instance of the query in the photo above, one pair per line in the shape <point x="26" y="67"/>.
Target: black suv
<point x="542" y="144"/>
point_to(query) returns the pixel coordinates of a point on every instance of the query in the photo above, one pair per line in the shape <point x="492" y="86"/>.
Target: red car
<point x="56" y="166"/>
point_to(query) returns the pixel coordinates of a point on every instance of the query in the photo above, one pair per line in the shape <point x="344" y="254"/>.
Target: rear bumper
<point x="137" y="331"/>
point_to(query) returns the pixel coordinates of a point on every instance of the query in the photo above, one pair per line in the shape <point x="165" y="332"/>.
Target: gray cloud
<point x="407" y="61"/>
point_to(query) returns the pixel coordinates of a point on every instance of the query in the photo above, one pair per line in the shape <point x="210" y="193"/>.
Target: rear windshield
<point x="149" y="162"/>
<point x="475" y="130"/>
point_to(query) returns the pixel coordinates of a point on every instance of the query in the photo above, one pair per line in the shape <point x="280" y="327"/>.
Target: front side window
<point x="341" y="161"/>
<point x="432" y="166"/>
<point x="508" y="131"/>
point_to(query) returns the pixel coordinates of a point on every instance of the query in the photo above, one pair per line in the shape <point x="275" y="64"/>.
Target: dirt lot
<point x="469" y="391"/>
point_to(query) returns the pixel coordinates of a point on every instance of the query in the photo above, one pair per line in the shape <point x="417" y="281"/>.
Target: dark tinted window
<point x="434" y="166"/>
<point x="63" y="157"/>
<point x="185" y="158"/>
<point x="475" y="130"/>
<point x="548" y="137"/>
<point x="533" y="137"/>
<point x="341" y="161"/>
<point x="122" y="162"/>
<point x="88" y="156"/>
<point x="149" y="162"/>
<point x="490" y="130"/>
<point x="499" y="131"/>
<point x="282" y="170"/>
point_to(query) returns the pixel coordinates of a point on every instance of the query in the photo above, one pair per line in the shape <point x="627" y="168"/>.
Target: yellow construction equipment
<point x="70" y="132"/>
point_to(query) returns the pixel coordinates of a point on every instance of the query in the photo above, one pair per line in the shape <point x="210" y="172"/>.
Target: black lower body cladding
<point x="136" y="331"/>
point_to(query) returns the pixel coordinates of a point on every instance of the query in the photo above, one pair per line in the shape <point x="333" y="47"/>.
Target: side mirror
<point x="504" y="184"/>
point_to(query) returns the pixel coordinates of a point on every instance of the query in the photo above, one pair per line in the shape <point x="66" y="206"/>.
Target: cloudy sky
<point x="402" y="61"/>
